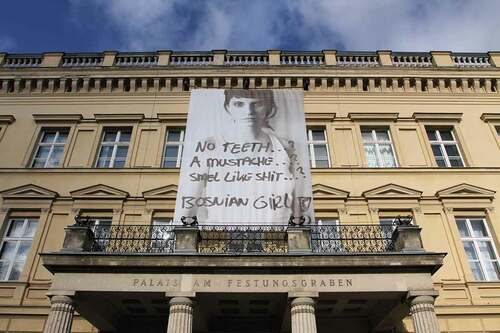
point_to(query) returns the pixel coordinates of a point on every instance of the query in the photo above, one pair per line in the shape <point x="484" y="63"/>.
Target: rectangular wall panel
<point x="80" y="156"/>
<point x="412" y="152"/>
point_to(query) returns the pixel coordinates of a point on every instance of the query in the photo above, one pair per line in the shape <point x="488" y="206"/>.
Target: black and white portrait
<point x="245" y="158"/>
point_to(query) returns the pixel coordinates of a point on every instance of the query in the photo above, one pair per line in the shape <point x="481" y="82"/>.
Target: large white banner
<point x="245" y="158"/>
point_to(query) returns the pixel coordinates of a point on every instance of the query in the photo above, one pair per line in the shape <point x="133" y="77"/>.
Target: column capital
<point x="62" y="299"/>
<point x="180" y="301"/>
<point x="412" y="294"/>
<point x="303" y="301"/>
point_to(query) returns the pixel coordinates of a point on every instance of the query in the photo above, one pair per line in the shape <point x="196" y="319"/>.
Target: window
<point x="479" y="248"/>
<point x="378" y="148"/>
<point x="16" y="244"/>
<point x="114" y="148"/>
<point x="50" y="148"/>
<point x="318" y="148"/>
<point x="174" y="141"/>
<point x="444" y="147"/>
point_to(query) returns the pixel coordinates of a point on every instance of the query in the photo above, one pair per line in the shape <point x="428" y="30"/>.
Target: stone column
<point x="180" y="319"/>
<point x="61" y="313"/>
<point x="423" y="315"/>
<point x="303" y="317"/>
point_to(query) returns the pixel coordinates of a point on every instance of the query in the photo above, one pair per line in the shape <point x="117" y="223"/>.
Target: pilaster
<point x="164" y="57"/>
<point x="109" y="58"/>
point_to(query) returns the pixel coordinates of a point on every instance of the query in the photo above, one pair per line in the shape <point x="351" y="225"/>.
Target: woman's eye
<point x="238" y="104"/>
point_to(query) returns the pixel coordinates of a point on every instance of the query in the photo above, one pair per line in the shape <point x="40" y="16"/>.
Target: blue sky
<point x="149" y="25"/>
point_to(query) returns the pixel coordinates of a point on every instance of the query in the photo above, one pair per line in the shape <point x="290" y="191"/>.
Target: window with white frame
<point x="50" y="148"/>
<point x="318" y="147"/>
<point x="479" y="248"/>
<point x="16" y="245"/>
<point x="174" y="142"/>
<point x="114" y="148"/>
<point x="444" y="147"/>
<point x="378" y="147"/>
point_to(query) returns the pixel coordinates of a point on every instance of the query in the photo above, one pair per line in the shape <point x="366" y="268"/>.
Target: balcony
<point x="242" y="239"/>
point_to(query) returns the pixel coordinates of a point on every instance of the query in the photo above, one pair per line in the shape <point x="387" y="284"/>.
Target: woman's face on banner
<point x="250" y="111"/>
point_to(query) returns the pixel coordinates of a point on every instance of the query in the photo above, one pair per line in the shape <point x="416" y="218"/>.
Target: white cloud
<point x="457" y="25"/>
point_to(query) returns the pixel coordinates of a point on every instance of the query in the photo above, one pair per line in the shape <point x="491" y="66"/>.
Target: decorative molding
<point x="164" y="192"/>
<point x="490" y="117"/>
<point x="28" y="191"/>
<point x="119" y="117"/>
<point x="417" y="209"/>
<point x="6" y="119"/>
<point x="343" y="210"/>
<point x="449" y="209"/>
<point x="317" y="116"/>
<point x="172" y="117"/>
<point x="99" y="191"/>
<point x="465" y="190"/>
<point x="372" y="116"/>
<point x="117" y="211"/>
<point x="374" y="210"/>
<point x="436" y="116"/>
<point x="391" y="191"/>
<point x="57" y="117"/>
<point x="44" y="210"/>
<point x="320" y="192"/>
<point x="490" y="209"/>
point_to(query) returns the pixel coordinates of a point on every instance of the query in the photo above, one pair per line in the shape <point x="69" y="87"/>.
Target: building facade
<point x="405" y="157"/>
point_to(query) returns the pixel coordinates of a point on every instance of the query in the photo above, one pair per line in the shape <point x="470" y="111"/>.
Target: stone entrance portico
<point x="297" y="291"/>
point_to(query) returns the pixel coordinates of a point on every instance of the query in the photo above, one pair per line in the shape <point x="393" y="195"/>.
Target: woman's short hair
<point x="266" y="96"/>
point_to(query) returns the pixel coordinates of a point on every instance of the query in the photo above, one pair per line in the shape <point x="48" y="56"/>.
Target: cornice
<point x="172" y="116"/>
<point x="490" y="117"/>
<point x="368" y="116"/>
<point x="40" y="118"/>
<point x="317" y="116"/>
<point x="119" y="117"/>
<point x="7" y="119"/>
<point x="436" y="116"/>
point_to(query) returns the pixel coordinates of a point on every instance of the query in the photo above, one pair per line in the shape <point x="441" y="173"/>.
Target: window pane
<point x="119" y="163"/>
<point x="436" y="150"/>
<point x="8" y="250"/>
<point x="318" y="135"/>
<point x="16" y="228"/>
<point x="446" y="135"/>
<point x="56" y="156"/>
<point x="41" y="156"/>
<point x="48" y="136"/>
<point x="174" y="136"/>
<point x="322" y="164"/>
<point x="492" y="270"/>
<point x="382" y="135"/>
<point x="371" y="156"/>
<point x="456" y="162"/>
<point x="320" y="152"/>
<point x="367" y="136"/>
<point x="169" y="164"/>
<point x="486" y="250"/>
<point x="462" y="228"/>
<point x="470" y="251"/>
<point x="476" y="270"/>
<point x="16" y="270"/>
<point x="121" y="152"/>
<point x="478" y="228"/>
<point x="171" y="151"/>
<point x="451" y="150"/>
<point x="125" y="136"/>
<point x="31" y="228"/>
<point x="431" y="134"/>
<point x="387" y="155"/>
<point x="4" y="268"/>
<point x="440" y="162"/>
<point x="62" y="137"/>
<point x="110" y="136"/>
<point x="22" y="251"/>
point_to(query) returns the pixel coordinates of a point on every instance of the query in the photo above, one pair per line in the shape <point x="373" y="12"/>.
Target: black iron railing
<point x="243" y="239"/>
<point x="133" y="238"/>
<point x="352" y="238"/>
